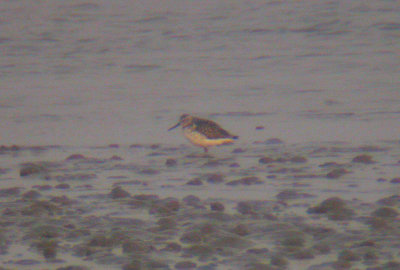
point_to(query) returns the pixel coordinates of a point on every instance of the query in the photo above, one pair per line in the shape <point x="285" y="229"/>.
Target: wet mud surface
<point x="267" y="205"/>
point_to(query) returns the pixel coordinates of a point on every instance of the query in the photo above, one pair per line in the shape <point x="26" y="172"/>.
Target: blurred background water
<point x="93" y="72"/>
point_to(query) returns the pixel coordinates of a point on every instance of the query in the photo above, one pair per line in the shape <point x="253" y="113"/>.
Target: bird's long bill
<point x="177" y="125"/>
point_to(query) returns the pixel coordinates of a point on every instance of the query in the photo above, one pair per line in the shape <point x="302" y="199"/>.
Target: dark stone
<point x="116" y="158"/>
<point x="195" y="182"/>
<point x="265" y="160"/>
<point x="76" y="157"/>
<point x="298" y="159"/>
<point x="334" y="207"/>
<point x="63" y="186"/>
<point x="238" y="150"/>
<point x="192" y="200"/>
<point x="170" y="162"/>
<point x="14" y="191"/>
<point x="395" y="180"/>
<point x="31" y="195"/>
<point x="73" y="267"/>
<point x="247" y="181"/>
<point x="365" y="159"/>
<point x="119" y="193"/>
<point x="215" y="178"/>
<point x="113" y="145"/>
<point x="32" y="169"/>
<point x="217" y="206"/>
<point x="336" y="173"/>
<point x="385" y="212"/>
<point x="274" y="141"/>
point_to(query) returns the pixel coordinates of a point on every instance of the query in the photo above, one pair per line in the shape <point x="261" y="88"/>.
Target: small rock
<point x="76" y="157"/>
<point x="32" y="169"/>
<point x="365" y="159"/>
<point x="195" y="182"/>
<point x="215" y="178"/>
<point x="234" y="165"/>
<point x="274" y="141"/>
<point x="149" y="171"/>
<point x="165" y="207"/>
<point x="385" y="212"/>
<point x="377" y="223"/>
<point x="395" y="180"/>
<point x="260" y="127"/>
<point x="14" y="191"/>
<point x="192" y="200"/>
<point x="258" y="251"/>
<point x="247" y="181"/>
<point x="63" y="186"/>
<point x="265" y="160"/>
<point x="217" y="206"/>
<point x="116" y="158"/>
<point x="170" y="162"/>
<point x="390" y="201"/>
<point x="31" y="195"/>
<point x="336" y="173"/>
<point x="298" y="159"/>
<point x="245" y="208"/>
<point x="73" y="267"/>
<point x="119" y="193"/>
<point x="113" y="145"/>
<point x="238" y="150"/>
<point x="334" y="207"/>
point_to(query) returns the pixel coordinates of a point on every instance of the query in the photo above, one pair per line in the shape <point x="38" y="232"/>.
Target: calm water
<point x="95" y="72"/>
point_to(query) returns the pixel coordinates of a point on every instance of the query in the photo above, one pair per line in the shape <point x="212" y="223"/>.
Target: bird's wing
<point x="211" y="129"/>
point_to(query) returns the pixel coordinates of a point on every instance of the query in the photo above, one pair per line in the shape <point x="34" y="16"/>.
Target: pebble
<point x="170" y="162"/>
<point x="217" y="206"/>
<point x="119" y="193"/>
<point x="365" y="159"/>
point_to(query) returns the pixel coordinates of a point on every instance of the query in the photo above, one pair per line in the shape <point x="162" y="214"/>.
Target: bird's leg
<point x="205" y="150"/>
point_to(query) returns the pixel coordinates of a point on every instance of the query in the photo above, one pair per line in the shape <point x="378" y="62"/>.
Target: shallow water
<point x="87" y="73"/>
<point x="77" y="76"/>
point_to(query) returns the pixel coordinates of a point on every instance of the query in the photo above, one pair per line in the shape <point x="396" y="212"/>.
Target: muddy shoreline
<point x="262" y="206"/>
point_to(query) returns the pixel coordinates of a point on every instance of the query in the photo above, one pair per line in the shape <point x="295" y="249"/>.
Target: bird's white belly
<point x="202" y="141"/>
